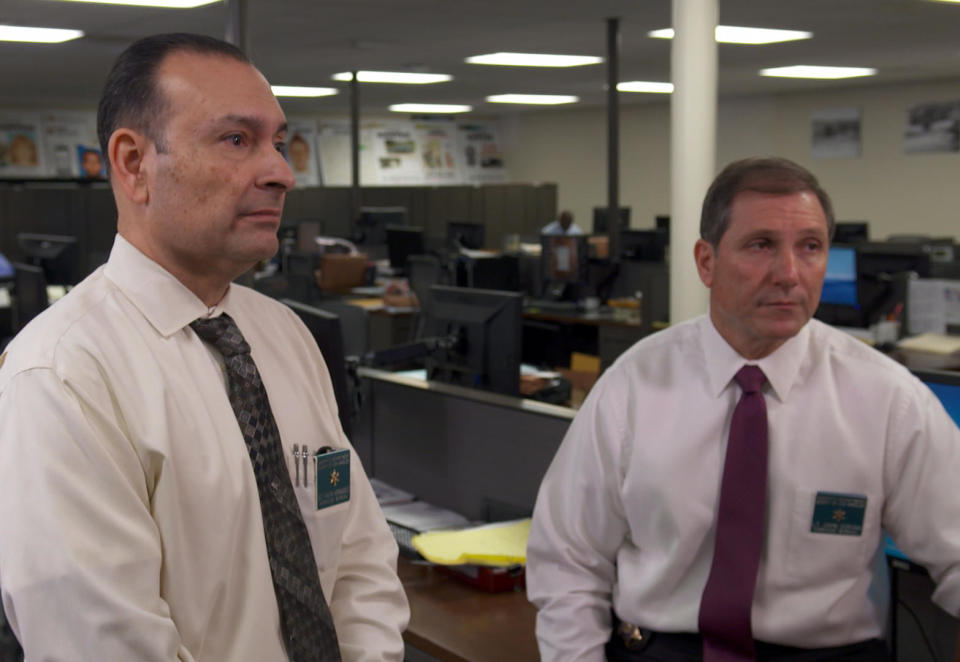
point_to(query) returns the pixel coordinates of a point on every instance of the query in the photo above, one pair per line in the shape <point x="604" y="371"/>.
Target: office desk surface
<point x="454" y="622"/>
<point x="601" y="317"/>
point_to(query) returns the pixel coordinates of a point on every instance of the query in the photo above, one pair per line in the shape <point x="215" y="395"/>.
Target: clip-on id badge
<point x="333" y="477"/>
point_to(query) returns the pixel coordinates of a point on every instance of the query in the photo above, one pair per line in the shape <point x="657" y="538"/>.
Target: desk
<point x="603" y="332"/>
<point x="454" y="622"/>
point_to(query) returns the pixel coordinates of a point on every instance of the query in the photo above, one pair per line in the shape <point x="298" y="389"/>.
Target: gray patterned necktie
<point x="305" y="620"/>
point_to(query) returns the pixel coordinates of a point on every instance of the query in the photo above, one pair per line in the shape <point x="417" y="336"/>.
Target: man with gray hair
<point x="721" y="494"/>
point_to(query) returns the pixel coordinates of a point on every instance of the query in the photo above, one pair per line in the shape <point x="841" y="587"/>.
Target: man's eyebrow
<point x="249" y="122"/>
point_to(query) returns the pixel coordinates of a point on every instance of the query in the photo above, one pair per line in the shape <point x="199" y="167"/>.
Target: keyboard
<point x="549" y="305"/>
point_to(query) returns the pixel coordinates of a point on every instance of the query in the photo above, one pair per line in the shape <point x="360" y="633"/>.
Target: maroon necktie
<point x="728" y="596"/>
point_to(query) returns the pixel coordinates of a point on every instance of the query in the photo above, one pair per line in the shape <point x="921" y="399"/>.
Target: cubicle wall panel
<point x="460" y="453"/>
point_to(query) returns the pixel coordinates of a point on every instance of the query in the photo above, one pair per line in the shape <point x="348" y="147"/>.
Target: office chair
<point x="422" y="272"/>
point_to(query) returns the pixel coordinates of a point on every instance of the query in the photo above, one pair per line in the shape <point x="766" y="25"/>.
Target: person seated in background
<point x="564" y="225"/>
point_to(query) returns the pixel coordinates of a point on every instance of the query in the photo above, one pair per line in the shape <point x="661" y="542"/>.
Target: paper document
<point x="499" y="544"/>
<point x="422" y="516"/>
<point x="388" y="494"/>
<point x="934" y="343"/>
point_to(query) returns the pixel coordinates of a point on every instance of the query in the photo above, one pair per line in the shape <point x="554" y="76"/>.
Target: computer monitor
<point x="663" y="225"/>
<point x="55" y="254"/>
<point x="465" y="235"/>
<point x="840" y="283"/>
<point x="500" y="272"/>
<point x="486" y="328"/>
<point x="402" y="242"/>
<point x="851" y="232"/>
<point x="29" y="294"/>
<point x="882" y="272"/>
<point x="327" y="332"/>
<point x="371" y="227"/>
<point x="6" y="269"/>
<point x="647" y="245"/>
<point x="946" y="386"/>
<point x="600" y="225"/>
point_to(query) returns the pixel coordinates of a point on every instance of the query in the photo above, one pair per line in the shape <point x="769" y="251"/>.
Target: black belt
<point x="630" y="642"/>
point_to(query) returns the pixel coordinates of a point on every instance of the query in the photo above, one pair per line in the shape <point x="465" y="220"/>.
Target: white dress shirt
<point x="625" y="517"/>
<point x="555" y="228"/>
<point x="131" y="523"/>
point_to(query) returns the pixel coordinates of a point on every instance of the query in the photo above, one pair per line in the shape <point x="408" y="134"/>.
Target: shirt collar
<point x="162" y="299"/>
<point x="781" y="368"/>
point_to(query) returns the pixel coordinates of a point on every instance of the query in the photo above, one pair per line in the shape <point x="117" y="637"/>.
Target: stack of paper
<point x="499" y="544"/>
<point x="934" y="343"/>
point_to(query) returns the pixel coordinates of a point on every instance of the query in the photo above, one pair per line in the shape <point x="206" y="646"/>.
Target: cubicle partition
<point x="480" y="454"/>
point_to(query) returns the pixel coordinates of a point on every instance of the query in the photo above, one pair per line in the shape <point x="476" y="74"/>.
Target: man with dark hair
<point x="174" y="480"/>
<point x="721" y="494"/>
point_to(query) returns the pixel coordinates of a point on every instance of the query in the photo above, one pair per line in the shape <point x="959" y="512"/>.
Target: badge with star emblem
<point x="333" y="477"/>
<point x="839" y="514"/>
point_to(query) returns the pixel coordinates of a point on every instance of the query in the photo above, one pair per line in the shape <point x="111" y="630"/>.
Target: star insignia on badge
<point x="839" y="515"/>
<point x="334" y="477"/>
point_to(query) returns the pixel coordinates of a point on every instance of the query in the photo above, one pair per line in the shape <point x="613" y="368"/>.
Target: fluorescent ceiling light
<point x="393" y="77"/>
<point x="650" y="87"/>
<point x="444" y="108"/>
<point x="534" y="60"/>
<point x="732" y="34"/>
<point x="540" y="99"/>
<point x="37" y="35"/>
<point x="167" y="4"/>
<point x="808" y="71"/>
<point x="294" y="91"/>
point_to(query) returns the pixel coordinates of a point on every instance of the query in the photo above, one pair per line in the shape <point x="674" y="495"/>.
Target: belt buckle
<point x="634" y="637"/>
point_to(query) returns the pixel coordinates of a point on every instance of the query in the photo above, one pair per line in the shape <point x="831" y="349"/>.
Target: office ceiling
<point x="304" y="42"/>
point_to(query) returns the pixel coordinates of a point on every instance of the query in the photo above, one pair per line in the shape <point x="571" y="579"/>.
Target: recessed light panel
<point x="295" y="91"/>
<point x="808" y="71"/>
<point x="647" y="86"/>
<point x="732" y="34"/>
<point x="37" y="35"/>
<point x="443" y="108"/>
<point x="165" y="4"/>
<point x="538" y="99"/>
<point x="393" y="77"/>
<point x="534" y="60"/>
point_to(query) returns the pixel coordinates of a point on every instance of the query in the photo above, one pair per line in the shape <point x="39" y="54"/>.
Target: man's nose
<point x="276" y="172"/>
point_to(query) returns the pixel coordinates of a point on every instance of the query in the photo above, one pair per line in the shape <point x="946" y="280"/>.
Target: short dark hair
<point x="773" y="175"/>
<point x="130" y="97"/>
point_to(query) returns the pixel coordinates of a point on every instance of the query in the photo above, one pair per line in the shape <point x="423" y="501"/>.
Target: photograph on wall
<point x="67" y="138"/>
<point x="302" y="152"/>
<point x="932" y="127"/>
<point x="397" y="154"/>
<point x="438" y="151"/>
<point x="21" y="153"/>
<point x="836" y="133"/>
<point x="480" y="151"/>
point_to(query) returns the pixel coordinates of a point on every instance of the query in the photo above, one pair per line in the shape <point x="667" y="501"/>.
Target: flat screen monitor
<point x="501" y="272"/>
<point x="55" y="254"/>
<point x="600" y="225"/>
<point x="646" y="245"/>
<point x="402" y="242"/>
<point x="851" y="232"/>
<point x="465" y="235"/>
<point x="882" y="272"/>
<point x="946" y="386"/>
<point x="326" y="329"/>
<point x="371" y="228"/>
<point x="840" y="282"/>
<point x="29" y="294"/>
<point x="6" y="269"/>
<point x="663" y="225"/>
<point x="486" y="328"/>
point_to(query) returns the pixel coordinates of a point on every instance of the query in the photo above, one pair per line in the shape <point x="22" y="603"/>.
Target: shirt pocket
<point x="813" y="556"/>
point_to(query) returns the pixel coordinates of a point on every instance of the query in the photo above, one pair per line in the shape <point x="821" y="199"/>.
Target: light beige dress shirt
<point x="131" y="525"/>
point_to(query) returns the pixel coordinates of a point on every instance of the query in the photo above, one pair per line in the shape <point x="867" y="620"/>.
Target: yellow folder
<point x="499" y="544"/>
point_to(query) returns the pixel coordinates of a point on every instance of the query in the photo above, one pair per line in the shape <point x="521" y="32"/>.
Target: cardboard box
<point x="339" y="272"/>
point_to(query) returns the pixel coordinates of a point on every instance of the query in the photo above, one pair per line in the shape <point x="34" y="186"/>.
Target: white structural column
<point x="693" y="145"/>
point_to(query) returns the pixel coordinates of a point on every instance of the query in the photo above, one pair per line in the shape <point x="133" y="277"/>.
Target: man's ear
<point x="126" y="151"/>
<point x="705" y="258"/>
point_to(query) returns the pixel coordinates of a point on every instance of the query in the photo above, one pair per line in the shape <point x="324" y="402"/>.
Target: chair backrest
<point x="29" y="294"/>
<point x="353" y="323"/>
